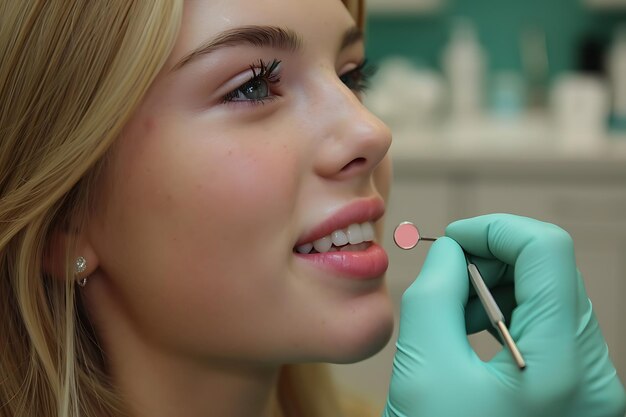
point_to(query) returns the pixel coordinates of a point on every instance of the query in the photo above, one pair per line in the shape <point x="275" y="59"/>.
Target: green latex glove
<point x="437" y="374"/>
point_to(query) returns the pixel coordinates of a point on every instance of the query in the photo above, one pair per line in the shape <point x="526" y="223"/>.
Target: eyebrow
<point x="261" y="36"/>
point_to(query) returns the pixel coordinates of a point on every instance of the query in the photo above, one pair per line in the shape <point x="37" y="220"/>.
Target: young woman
<point x="191" y="200"/>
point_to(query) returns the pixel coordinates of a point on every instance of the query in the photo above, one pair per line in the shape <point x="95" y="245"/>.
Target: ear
<point x="55" y="256"/>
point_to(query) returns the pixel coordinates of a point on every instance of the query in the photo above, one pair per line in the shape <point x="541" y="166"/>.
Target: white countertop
<point x="529" y="149"/>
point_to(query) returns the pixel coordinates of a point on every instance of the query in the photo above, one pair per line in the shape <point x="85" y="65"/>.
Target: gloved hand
<point x="437" y="374"/>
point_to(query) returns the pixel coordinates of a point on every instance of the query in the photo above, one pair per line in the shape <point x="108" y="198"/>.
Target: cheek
<point x="197" y="230"/>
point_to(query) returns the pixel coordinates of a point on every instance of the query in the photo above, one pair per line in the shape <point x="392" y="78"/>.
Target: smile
<point x="356" y="237"/>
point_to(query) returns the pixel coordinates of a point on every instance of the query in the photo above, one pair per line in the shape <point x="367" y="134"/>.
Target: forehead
<point x="315" y="21"/>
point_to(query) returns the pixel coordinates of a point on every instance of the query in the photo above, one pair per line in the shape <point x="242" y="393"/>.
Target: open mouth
<point x="354" y="238"/>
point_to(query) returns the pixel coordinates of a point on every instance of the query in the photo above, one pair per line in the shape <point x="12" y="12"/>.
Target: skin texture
<point x="194" y="289"/>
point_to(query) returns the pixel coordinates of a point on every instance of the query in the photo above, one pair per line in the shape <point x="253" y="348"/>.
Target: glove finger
<point x="432" y="323"/>
<point x="544" y="267"/>
<point x="542" y="256"/>
<point x="601" y="382"/>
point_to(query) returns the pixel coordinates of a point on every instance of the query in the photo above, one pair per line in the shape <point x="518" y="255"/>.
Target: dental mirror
<point x="406" y="236"/>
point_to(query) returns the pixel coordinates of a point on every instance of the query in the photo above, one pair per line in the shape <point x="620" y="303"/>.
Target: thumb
<point x="432" y="318"/>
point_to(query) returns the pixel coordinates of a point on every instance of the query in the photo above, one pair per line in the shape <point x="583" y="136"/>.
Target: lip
<point x="361" y="211"/>
<point x="366" y="265"/>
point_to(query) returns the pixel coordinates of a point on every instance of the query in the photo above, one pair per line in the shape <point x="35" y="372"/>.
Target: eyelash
<point x="357" y="80"/>
<point x="359" y="77"/>
<point x="261" y="72"/>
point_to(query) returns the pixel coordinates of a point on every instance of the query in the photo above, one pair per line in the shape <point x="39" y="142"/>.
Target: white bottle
<point x="617" y="74"/>
<point x="464" y="67"/>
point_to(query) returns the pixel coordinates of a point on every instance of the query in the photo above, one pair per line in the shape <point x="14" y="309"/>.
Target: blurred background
<point x="503" y="106"/>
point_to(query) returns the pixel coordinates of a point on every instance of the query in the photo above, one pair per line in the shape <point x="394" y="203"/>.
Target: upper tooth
<point x="306" y="248"/>
<point x="339" y="238"/>
<point x="355" y="235"/>
<point x="368" y="231"/>
<point x="323" y="244"/>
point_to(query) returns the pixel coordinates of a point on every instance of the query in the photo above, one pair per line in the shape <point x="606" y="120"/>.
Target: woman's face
<point x="240" y="155"/>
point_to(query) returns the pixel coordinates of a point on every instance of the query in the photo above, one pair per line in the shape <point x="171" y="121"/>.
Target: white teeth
<point x="306" y="248"/>
<point x="351" y="239"/>
<point x="323" y="245"/>
<point x="355" y="235"/>
<point x="339" y="238"/>
<point x="368" y="231"/>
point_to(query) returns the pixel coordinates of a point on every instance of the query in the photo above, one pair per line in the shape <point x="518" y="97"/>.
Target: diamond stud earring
<point x="79" y="267"/>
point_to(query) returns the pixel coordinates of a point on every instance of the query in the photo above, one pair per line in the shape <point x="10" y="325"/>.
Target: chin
<point x="356" y="341"/>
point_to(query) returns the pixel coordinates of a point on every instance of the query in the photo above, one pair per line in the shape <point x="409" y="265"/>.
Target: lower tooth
<point x="354" y="248"/>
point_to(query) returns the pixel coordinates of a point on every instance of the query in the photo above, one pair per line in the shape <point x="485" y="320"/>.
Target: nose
<point x="353" y="140"/>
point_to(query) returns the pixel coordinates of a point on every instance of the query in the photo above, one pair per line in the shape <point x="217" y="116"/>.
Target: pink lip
<point x="368" y="264"/>
<point x="361" y="211"/>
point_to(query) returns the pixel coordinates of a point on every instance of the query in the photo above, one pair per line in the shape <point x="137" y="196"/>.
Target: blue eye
<point x="357" y="79"/>
<point x="258" y="87"/>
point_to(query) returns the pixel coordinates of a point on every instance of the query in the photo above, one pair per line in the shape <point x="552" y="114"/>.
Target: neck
<point x="158" y="387"/>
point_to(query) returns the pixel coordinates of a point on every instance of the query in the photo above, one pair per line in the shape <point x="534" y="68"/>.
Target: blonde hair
<point x="72" y="73"/>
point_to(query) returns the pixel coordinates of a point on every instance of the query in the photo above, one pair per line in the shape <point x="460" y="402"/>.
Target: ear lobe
<point x="55" y="256"/>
